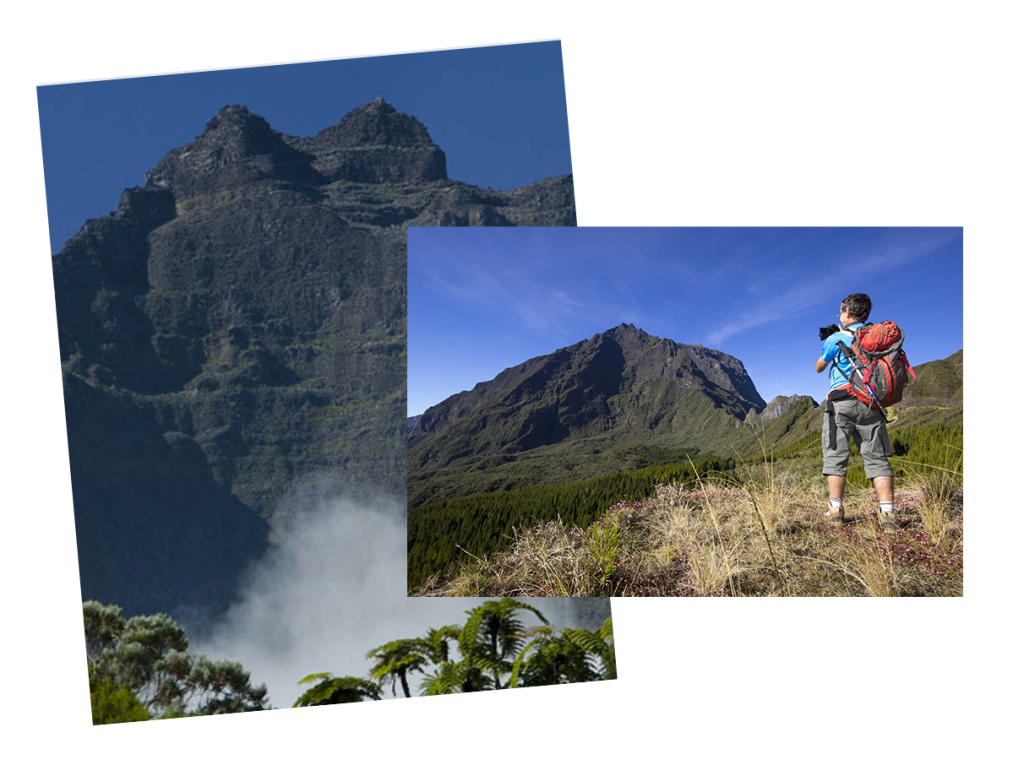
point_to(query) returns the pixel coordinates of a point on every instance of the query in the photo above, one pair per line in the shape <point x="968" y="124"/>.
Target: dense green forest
<point x="442" y="535"/>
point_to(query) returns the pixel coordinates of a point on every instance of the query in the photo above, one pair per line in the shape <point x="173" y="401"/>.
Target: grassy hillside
<point x="939" y="383"/>
<point x="758" y="532"/>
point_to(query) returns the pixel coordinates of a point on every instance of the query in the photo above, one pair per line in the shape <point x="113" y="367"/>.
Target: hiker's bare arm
<point x="821" y="366"/>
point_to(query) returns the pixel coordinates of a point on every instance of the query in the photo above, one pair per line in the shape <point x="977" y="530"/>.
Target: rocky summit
<point x="237" y="328"/>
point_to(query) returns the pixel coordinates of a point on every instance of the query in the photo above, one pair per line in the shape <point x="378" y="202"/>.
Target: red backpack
<point x="879" y="364"/>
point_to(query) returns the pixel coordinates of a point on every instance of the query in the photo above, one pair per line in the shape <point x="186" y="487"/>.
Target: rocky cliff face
<point x="619" y="379"/>
<point x="238" y="325"/>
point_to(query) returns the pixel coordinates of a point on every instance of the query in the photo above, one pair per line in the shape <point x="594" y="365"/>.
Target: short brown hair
<point x="858" y="305"/>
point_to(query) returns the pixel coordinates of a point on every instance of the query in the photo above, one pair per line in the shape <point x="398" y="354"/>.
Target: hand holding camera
<point x="825" y="332"/>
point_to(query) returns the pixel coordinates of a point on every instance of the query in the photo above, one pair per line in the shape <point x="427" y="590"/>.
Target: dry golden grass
<point x="761" y="533"/>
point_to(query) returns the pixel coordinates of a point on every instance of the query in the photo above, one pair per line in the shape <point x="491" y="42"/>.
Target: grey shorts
<point x="867" y="429"/>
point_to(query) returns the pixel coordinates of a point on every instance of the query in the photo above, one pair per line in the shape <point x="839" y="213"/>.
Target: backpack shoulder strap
<point x="848" y="353"/>
<point x="845" y="347"/>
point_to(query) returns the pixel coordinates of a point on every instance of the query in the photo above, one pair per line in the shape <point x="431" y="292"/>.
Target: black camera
<point x="825" y="332"/>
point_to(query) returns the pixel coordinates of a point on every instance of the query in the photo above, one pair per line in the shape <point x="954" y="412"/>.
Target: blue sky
<point x="499" y="113"/>
<point x="482" y="300"/>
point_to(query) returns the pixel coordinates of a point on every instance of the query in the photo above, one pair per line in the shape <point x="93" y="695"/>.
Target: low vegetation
<point x="757" y="530"/>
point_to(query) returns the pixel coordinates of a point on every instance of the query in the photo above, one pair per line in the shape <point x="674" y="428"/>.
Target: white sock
<point x="886" y="507"/>
<point x="837" y="504"/>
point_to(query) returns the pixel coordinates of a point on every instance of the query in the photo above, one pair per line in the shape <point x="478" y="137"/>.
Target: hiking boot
<point x="834" y="516"/>
<point x="887" y="522"/>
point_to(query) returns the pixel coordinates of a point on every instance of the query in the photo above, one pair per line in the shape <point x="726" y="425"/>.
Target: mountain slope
<point x="617" y="389"/>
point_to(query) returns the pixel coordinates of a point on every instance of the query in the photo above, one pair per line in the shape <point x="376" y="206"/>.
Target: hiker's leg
<point x="873" y="448"/>
<point x="835" y="460"/>
<point x="836" y="486"/>
<point x="884" y="488"/>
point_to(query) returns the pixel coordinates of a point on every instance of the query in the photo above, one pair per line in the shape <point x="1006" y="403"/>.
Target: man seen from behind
<point x="846" y="417"/>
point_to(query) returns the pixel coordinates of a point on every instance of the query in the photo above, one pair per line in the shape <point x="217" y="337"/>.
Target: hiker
<point x="847" y="416"/>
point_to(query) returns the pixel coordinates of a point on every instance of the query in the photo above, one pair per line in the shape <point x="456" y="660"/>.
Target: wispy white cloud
<point x="807" y="291"/>
<point x="563" y="297"/>
<point x="523" y="290"/>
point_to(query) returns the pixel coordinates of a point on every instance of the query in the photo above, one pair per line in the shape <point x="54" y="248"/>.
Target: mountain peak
<point x="377" y="123"/>
<point x="236" y="147"/>
<point x="623" y="327"/>
<point x="375" y="143"/>
<point x="234" y="114"/>
<point x="235" y="132"/>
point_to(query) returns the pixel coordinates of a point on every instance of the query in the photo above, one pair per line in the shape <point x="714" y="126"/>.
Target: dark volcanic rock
<point x="238" y="326"/>
<point x="376" y="144"/>
<point x="236" y="148"/>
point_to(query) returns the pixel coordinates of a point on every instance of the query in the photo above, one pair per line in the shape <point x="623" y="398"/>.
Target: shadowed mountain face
<point x="622" y="382"/>
<point x="238" y="326"/>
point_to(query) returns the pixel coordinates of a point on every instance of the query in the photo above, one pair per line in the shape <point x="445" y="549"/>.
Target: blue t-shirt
<point x="830" y="352"/>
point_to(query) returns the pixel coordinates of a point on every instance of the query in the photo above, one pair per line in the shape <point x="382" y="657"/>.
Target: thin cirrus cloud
<point x="825" y="285"/>
<point x="510" y="297"/>
<point x="517" y="292"/>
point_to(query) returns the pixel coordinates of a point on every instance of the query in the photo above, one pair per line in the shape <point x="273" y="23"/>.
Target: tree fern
<point x="336" y="690"/>
<point x="396" y="660"/>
